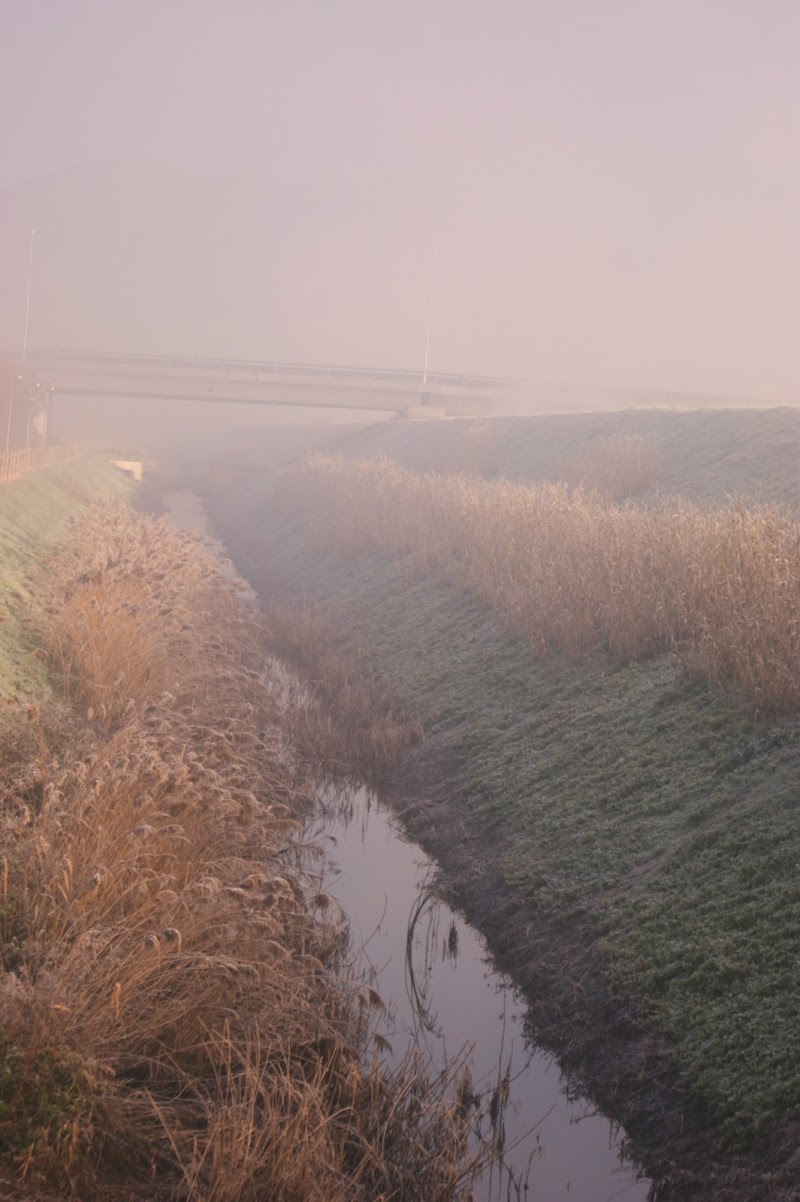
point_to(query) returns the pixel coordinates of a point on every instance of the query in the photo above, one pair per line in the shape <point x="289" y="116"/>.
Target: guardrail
<point x="261" y="370"/>
<point x="16" y="463"/>
<point x="258" y="369"/>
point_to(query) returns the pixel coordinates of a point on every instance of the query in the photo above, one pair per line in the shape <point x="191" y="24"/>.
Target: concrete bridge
<point x="242" y="381"/>
<point x="165" y="377"/>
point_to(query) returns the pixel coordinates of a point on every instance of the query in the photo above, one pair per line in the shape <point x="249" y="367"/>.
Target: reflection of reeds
<point x="579" y="575"/>
<point x="172" y="1021"/>
<point x="343" y="722"/>
<point x="487" y="1103"/>
<point x="425" y="905"/>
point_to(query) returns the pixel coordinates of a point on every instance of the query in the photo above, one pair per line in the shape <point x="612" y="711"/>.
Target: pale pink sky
<point x="612" y="186"/>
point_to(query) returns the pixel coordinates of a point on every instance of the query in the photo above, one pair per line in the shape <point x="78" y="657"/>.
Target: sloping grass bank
<point x="707" y="455"/>
<point x="34" y="514"/>
<point x="628" y="837"/>
<point x="179" y="1015"/>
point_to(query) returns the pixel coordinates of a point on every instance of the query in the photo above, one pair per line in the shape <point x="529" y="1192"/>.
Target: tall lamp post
<point x="30" y="411"/>
<point x="428" y="322"/>
<point x="28" y="296"/>
<point x="10" y="411"/>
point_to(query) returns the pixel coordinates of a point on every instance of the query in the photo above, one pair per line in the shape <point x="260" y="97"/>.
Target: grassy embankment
<point x="34" y="514"/>
<point x="178" y="1014"/>
<point x="621" y="801"/>
<point x="706" y="456"/>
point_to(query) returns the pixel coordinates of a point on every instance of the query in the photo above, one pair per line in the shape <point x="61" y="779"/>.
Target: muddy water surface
<point x="432" y="971"/>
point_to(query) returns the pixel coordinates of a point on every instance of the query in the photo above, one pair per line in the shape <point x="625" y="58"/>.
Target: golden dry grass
<point x="577" y="574"/>
<point x="178" y="1014"/>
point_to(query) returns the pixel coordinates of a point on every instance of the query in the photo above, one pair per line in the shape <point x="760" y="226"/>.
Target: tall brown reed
<point x="579" y="575"/>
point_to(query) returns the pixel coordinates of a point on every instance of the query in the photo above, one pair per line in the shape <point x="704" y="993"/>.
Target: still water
<point x="443" y="994"/>
<point x="433" y="972"/>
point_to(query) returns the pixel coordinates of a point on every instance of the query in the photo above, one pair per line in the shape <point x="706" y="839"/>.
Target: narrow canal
<point x="434" y="973"/>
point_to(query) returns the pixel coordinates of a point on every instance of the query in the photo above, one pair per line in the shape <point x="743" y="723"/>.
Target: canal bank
<point x="35" y="510"/>
<point x="622" y="836"/>
<point x="179" y="1010"/>
<point x="446" y="1000"/>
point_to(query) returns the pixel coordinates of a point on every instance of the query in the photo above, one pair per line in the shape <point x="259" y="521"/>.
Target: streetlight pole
<point x="428" y="323"/>
<point x="10" y="411"/>
<point x="45" y="417"/>
<point x="30" y="411"/>
<point x="28" y="296"/>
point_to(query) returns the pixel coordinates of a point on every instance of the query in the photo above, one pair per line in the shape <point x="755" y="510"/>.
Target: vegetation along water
<point x="180" y="1011"/>
<point x="575" y="690"/>
<point x="605" y="695"/>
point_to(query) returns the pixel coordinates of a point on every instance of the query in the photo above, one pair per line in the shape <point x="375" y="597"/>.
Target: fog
<point x="183" y="431"/>
<point x="611" y="189"/>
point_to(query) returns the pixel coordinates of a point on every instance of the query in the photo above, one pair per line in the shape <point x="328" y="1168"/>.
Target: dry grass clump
<point x="178" y="1017"/>
<point x="31" y="740"/>
<point x="617" y="467"/>
<point x="577" y="574"/>
<point x="138" y="610"/>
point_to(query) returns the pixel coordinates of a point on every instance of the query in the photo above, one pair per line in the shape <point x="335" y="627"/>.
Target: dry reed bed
<point x="178" y="1017"/>
<point x="577" y="574"/>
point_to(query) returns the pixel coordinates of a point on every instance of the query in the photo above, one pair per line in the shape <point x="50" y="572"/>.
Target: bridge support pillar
<point x="423" y="411"/>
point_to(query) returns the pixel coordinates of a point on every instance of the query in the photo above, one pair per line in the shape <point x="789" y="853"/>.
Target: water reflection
<point x="430" y="968"/>
<point x="429" y="943"/>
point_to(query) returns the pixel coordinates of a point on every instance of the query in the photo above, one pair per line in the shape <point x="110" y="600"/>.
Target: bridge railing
<point x="16" y="463"/>
<point x="259" y="368"/>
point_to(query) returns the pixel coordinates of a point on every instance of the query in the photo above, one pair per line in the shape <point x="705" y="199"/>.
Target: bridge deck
<point x="272" y="382"/>
<point x="112" y="374"/>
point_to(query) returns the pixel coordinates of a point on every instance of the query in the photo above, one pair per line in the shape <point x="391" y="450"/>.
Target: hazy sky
<point x="612" y="186"/>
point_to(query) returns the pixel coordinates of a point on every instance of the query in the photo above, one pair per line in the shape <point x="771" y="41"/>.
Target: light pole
<point x="10" y="411"/>
<point x="28" y="296"/>
<point x="428" y="322"/>
<point x="30" y="411"/>
<point x="45" y="416"/>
